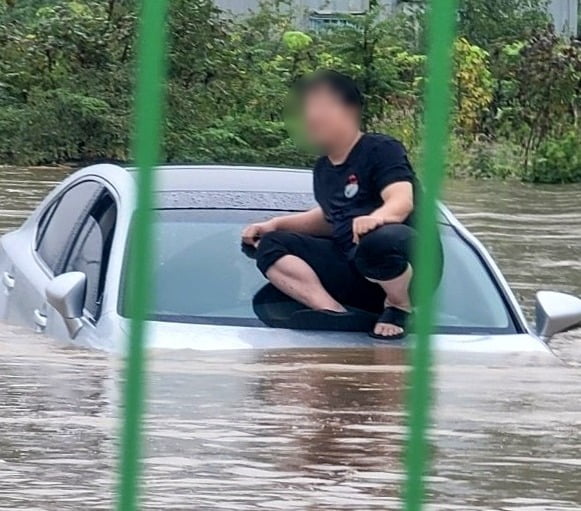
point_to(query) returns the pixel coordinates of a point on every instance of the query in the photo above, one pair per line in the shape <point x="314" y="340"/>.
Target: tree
<point x="548" y="74"/>
<point x="473" y="85"/>
<point x="369" y="48"/>
<point x="489" y="23"/>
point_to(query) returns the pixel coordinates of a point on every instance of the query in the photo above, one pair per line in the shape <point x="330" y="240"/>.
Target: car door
<point x="89" y="253"/>
<point x="38" y="253"/>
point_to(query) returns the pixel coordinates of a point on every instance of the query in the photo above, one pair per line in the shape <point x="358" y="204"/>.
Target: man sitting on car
<point x="353" y="250"/>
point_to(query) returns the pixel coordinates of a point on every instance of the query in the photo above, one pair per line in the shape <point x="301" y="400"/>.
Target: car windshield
<point x="202" y="275"/>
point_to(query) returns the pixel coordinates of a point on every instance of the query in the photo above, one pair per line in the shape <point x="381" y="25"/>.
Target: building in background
<point x="565" y="15"/>
<point x="322" y="13"/>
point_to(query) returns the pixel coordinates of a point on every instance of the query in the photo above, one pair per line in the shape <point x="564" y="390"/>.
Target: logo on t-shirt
<point x="352" y="187"/>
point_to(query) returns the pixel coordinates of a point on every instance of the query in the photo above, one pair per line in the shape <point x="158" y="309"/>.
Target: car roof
<point x="243" y="178"/>
<point x="281" y="181"/>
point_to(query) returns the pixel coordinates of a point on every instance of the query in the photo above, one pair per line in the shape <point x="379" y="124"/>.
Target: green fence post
<point x="148" y="117"/>
<point x="441" y="34"/>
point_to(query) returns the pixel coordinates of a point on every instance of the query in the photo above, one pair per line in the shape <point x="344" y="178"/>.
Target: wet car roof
<point x="172" y="178"/>
<point x="274" y="201"/>
<point x="235" y="187"/>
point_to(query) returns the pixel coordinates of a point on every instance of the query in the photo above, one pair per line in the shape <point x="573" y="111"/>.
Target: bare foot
<point x="387" y="329"/>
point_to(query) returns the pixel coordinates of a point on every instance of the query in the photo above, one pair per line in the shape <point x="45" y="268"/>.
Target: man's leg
<point x="295" y="278"/>
<point x="396" y="295"/>
<point x="295" y="263"/>
<point x="383" y="257"/>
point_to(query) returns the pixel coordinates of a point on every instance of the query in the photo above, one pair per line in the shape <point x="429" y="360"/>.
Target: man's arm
<point x="398" y="203"/>
<point x="311" y="222"/>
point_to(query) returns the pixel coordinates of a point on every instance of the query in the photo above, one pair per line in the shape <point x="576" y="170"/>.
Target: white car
<point x="63" y="273"/>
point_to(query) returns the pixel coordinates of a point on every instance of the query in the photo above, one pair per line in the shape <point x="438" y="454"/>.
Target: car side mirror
<point x="556" y="312"/>
<point x="66" y="294"/>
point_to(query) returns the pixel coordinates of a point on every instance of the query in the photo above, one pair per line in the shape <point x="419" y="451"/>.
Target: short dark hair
<point x="340" y="84"/>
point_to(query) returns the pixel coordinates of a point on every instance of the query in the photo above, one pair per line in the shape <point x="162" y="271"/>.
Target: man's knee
<point x="384" y="254"/>
<point x="387" y="239"/>
<point x="272" y="247"/>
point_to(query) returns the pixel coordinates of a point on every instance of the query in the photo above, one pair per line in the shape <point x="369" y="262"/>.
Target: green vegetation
<point x="67" y="67"/>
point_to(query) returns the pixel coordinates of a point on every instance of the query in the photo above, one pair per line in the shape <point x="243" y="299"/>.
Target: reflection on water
<point x="309" y="430"/>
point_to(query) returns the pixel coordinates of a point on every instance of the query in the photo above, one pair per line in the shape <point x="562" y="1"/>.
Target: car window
<point x="44" y="222"/>
<point x="468" y="299"/>
<point x="62" y="220"/>
<point x="202" y="275"/>
<point x="91" y="250"/>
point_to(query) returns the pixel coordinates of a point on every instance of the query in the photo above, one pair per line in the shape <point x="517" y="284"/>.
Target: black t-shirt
<point x="354" y="187"/>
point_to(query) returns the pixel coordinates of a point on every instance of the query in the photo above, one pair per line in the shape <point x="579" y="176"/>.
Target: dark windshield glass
<point x="202" y="275"/>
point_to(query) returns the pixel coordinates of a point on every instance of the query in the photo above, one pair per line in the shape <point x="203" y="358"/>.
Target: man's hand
<point x="364" y="224"/>
<point x="251" y="234"/>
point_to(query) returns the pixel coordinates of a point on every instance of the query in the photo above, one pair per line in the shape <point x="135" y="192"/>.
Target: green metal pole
<point x="441" y="28"/>
<point x="148" y="117"/>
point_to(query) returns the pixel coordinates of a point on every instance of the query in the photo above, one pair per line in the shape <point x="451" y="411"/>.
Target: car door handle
<point x="8" y="280"/>
<point x="39" y="319"/>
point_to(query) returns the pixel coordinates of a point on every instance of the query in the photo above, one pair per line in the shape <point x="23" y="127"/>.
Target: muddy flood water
<point x="309" y="430"/>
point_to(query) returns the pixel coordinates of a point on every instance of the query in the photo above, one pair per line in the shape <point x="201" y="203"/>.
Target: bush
<point x="58" y="125"/>
<point x="484" y="159"/>
<point x="557" y="161"/>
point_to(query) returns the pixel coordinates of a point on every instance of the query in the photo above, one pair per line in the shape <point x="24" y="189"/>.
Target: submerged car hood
<point x="162" y="335"/>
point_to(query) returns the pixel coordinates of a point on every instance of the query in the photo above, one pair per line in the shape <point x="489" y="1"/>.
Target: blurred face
<point x="327" y="119"/>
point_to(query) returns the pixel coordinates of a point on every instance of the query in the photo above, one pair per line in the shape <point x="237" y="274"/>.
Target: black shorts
<point x="382" y="254"/>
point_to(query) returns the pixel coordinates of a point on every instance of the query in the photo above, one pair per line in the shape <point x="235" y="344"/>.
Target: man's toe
<point x="387" y="330"/>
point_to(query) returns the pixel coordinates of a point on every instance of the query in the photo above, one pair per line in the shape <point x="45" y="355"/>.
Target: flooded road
<point x="311" y="430"/>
